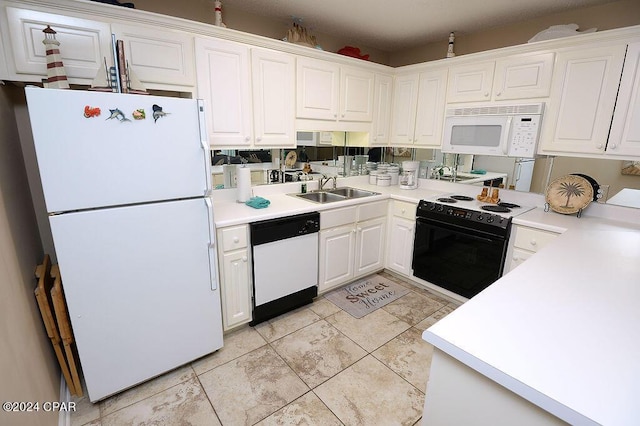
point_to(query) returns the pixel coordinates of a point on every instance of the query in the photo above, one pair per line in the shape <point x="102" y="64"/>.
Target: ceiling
<point x="401" y="24"/>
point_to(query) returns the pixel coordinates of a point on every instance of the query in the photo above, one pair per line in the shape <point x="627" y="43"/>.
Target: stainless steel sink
<point x="320" y="197"/>
<point x="333" y="195"/>
<point x="349" y="192"/>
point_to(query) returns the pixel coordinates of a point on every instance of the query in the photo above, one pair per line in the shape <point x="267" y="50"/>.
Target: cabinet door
<point x="624" y="138"/>
<point x="356" y="94"/>
<point x="223" y="76"/>
<point x="83" y="45"/>
<point x="400" y="246"/>
<point x="523" y="76"/>
<point x="470" y="83"/>
<point x="273" y="98"/>
<point x="317" y="89"/>
<point x="518" y="256"/>
<point x="383" y="89"/>
<point x="236" y="288"/>
<point x="430" y="109"/>
<point x="370" y="246"/>
<point x="405" y="101"/>
<point x="158" y="56"/>
<point x="583" y="94"/>
<point x="337" y="248"/>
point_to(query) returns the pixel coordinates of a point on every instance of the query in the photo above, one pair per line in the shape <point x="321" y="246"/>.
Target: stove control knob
<point x="432" y="206"/>
<point x="450" y="211"/>
<point x="480" y="217"/>
<point x="490" y="219"/>
<point x="440" y="208"/>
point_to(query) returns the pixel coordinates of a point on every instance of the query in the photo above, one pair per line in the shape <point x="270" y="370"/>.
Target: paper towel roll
<point x="243" y="178"/>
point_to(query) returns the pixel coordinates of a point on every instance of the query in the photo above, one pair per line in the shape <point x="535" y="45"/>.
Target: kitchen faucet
<point x="325" y="179"/>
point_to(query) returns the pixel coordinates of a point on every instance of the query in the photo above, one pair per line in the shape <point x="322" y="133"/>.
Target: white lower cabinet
<point x="235" y="276"/>
<point x="525" y="242"/>
<point x="351" y="243"/>
<point x="402" y="224"/>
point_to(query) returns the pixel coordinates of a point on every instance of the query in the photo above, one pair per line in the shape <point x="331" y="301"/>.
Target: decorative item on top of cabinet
<point x="217" y="11"/>
<point x="56" y="77"/>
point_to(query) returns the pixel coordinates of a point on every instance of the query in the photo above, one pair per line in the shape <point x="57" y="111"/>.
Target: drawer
<point x="338" y="217"/>
<point x="234" y="237"/>
<point x="532" y="239"/>
<point x="372" y="210"/>
<point x="403" y="209"/>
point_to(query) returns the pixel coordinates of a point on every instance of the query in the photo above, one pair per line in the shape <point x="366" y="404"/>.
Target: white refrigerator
<point x="126" y="180"/>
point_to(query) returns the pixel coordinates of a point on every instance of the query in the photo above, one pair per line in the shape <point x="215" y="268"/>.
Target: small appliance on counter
<point x="408" y="178"/>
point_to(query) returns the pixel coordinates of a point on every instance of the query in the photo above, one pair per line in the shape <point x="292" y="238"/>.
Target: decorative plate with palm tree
<point x="569" y="194"/>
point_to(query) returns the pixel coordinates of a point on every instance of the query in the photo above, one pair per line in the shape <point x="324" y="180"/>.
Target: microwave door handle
<point x="505" y="139"/>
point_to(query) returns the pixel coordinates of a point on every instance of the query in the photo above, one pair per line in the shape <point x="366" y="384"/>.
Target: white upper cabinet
<point x="418" y="109"/>
<point x="249" y="94"/>
<point x="158" y="56"/>
<point x="84" y="44"/>
<point x="583" y="95"/>
<point x="382" y="100"/>
<point x="624" y="138"/>
<point x="470" y="83"/>
<point x="522" y="76"/>
<point x="318" y="89"/>
<point x="273" y="78"/>
<point x="333" y="92"/>
<point x="224" y="82"/>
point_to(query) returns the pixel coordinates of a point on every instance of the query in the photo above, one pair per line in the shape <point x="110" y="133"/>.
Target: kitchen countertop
<point x="560" y="330"/>
<point x="565" y="316"/>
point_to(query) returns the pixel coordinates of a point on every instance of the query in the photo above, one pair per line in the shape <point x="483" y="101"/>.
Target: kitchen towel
<point x="258" y="202"/>
<point x="243" y="179"/>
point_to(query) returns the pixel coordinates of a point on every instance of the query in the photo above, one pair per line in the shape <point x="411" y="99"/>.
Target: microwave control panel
<point x="524" y="136"/>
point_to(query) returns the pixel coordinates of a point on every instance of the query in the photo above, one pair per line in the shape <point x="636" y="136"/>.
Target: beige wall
<point x="617" y="14"/>
<point x="28" y="368"/>
<point x="202" y="11"/>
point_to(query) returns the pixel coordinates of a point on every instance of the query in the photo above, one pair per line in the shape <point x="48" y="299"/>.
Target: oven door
<point x="461" y="260"/>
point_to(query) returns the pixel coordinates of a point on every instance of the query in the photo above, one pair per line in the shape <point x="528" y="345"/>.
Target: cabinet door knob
<point x="335" y="115"/>
<point x="533" y="242"/>
<point x="612" y="146"/>
<point x="244" y="258"/>
<point x="247" y="138"/>
<point x="259" y="138"/>
<point x="403" y="211"/>
<point x="499" y="94"/>
<point x="353" y="230"/>
<point x="236" y="239"/>
<point x="599" y="146"/>
<point x="486" y="95"/>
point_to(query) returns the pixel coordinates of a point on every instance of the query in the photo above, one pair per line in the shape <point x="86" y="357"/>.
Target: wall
<point x="618" y="14"/>
<point x="28" y="366"/>
<point x="202" y="11"/>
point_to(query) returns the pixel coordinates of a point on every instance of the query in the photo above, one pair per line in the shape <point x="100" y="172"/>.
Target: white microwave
<point x="498" y="130"/>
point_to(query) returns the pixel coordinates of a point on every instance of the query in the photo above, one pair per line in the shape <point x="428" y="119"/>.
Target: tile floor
<point x="314" y="366"/>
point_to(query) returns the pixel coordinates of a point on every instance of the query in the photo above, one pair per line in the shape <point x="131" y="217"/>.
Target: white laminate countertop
<point x="562" y="330"/>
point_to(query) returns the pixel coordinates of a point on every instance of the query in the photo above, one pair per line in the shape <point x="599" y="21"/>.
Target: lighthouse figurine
<point x="217" y="5"/>
<point x="56" y="76"/>
<point x="452" y="38"/>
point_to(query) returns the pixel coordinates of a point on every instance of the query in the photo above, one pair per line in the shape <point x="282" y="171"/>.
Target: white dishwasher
<point x="285" y="264"/>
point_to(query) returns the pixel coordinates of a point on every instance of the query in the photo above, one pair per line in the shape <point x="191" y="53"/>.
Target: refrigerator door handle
<point x="205" y="147"/>
<point x="212" y="246"/>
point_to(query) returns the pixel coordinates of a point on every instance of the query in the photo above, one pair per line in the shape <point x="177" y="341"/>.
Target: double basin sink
<point x="333" y="195"/>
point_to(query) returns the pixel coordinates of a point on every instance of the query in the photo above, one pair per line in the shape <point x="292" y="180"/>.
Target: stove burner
<point x="509" y="205"/>
<point x="447" y="200"/>
<point x="461" y="198"/>
<point x="496" y="209"/>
